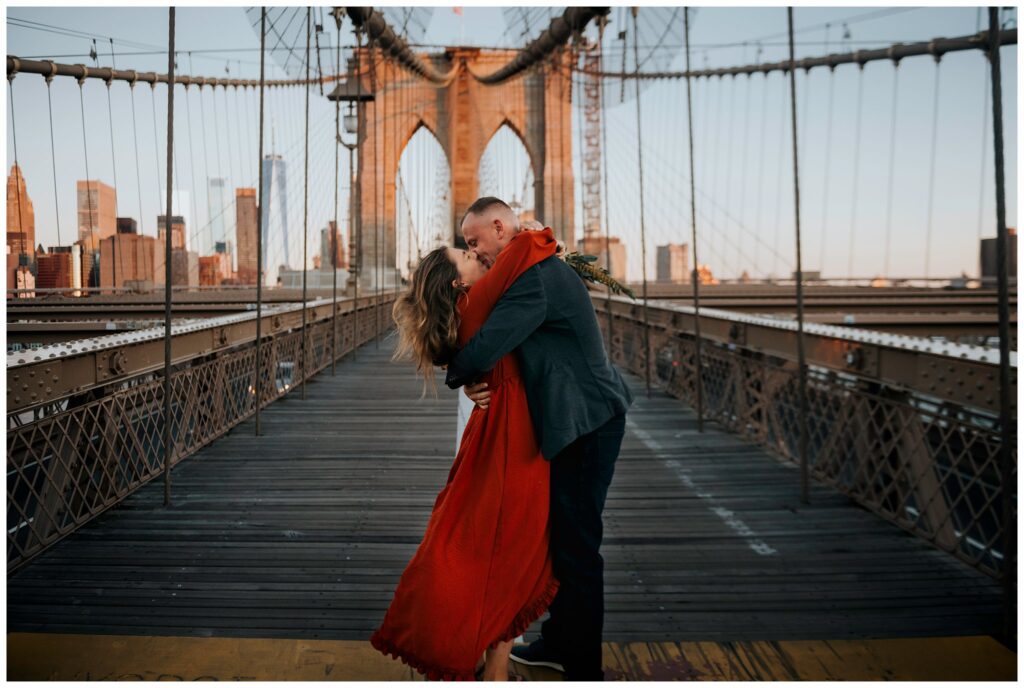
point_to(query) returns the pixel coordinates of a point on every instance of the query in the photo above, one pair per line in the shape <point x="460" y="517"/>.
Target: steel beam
<point x="49" y="373"/>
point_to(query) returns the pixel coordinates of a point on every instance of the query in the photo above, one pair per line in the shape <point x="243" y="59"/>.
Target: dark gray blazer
<point x="548" y="318"/>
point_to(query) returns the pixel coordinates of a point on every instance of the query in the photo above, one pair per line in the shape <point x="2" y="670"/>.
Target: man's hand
<point x="479" y="394"/>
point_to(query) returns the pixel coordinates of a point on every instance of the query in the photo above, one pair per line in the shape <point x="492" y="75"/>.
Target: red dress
<point x="482" y="573"/>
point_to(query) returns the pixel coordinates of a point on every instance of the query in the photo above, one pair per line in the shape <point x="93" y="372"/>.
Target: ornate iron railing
<point x="93" y="442"/>
<point x="918" y="454"/>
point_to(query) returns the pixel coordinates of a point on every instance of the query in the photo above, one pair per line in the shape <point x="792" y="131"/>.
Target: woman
<point x="482" y="573"/>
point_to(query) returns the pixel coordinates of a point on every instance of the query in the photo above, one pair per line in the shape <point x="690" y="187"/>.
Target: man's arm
<point x="520" y="311"/>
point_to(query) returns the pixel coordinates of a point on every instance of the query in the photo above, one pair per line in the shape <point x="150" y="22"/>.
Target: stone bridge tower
<point x="463" y="115"/>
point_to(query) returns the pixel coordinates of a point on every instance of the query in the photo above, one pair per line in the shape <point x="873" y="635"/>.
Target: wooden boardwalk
<point x="303" y="532"/>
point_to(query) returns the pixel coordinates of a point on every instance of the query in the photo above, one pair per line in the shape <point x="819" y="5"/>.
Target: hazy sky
<point x="757" y="232"/>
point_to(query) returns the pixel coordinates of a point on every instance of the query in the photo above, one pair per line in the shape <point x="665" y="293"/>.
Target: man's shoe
<point x="536" y="654"/>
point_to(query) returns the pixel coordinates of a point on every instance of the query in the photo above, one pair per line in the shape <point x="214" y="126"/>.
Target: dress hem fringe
<point x="523" y="619"/>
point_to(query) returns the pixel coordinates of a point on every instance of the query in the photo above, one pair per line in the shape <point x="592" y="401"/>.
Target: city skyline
<point x="964" y="197"/>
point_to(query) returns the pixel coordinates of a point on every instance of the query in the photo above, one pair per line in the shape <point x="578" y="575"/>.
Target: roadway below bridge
<point x="291" y="544"/>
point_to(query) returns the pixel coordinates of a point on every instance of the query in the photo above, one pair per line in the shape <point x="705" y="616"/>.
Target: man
<point x="577" y="403"/>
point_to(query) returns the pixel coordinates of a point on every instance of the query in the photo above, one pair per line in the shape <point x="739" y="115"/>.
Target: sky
<point x="743" y="165"/>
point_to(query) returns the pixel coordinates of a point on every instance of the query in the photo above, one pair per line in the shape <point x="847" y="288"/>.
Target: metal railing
<point x="80" y="451"/>
<point x="906" y="427"/>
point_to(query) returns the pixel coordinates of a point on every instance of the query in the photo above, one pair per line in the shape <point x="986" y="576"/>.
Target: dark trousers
<point x="580" y="476"/>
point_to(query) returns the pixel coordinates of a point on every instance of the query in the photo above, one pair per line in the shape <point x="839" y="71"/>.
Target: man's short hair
<point x="482" y="205"/>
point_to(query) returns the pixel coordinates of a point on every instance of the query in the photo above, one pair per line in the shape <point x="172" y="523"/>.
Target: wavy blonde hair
<point x="427" y="316"/>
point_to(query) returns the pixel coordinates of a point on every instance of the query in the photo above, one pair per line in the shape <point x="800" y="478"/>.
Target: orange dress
<point x="482" y="573"/>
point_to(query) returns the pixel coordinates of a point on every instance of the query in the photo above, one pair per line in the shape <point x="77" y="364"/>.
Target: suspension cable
<point x="698" y="361"/>
<point x="259" y="222"/>
<point x="168" y="447"/>
<point x="802" y="361"/>
<point x="135" y="139"/>
<point x="931" y="174"/>
<point x="88" y="194"/>
<point x="760" y="153"/>
<point x="21" y="177"/>
<point x="643" y="228"/>
<point x="828" y="158"/>
<point x="743" y="165"/>
<point x="113" y="163"/>
<point x="53" y="153"/>
<point x="856" y="172"/>
<point x="985" y="110"/>
<point x="305" y="215"/>
<point x="337" y="191"/>
<point x="892" y="166"/>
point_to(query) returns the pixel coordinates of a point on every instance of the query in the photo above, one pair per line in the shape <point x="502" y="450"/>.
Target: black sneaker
<point x="536" y="654"/>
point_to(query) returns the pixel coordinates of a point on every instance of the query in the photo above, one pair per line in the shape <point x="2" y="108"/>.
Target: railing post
<point x="693" y="225"/>
<point x="258" y="387"/>
<point x="167" y="260"/>
<point x="1006" y="424"/>
<point x="802" y="359"/>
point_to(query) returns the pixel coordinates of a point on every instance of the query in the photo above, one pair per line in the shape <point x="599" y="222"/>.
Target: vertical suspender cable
<point x="604" y="181"/>
<point x="259" y="222"/>
<point x="1006" y="422"/>
<point x="699" y="378"/>
<point x="21" y="177"/>
<point x="802" y="362"/>
<point x="643" y="229"/>
<point x="88" y="193"/>
<point x="984" y="158"/>
<point x="356" y="196"/>
<point x="778" y="183"/>
<point x="135" y="138"/>
<point x="376" y="202"/>
<point x="825" y="210"/>
<point x="931" y="174"/>
<point x="856" y="170"/>
<point x="760" y="154"/>
<point x="305" y="214"/>
<point x="892" y="165"/>
<point x="113" y="162"/>
<point x="53" y="154"/>
<point x="334" y="233"/>
<point x="167" y="262"/>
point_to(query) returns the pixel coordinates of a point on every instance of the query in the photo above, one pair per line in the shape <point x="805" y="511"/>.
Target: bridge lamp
<point x="352" y="92"/>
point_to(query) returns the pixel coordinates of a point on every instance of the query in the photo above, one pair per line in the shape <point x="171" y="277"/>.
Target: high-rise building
<point x="673" y="261"/>
<point x="61" y="268"/>
<point x="127" y="225"/>
<point x="177" y="231"/>
<point x="989" y="264"/>
<point x="21" y="218"/>
<point x="218" y="207"/>
<point x="594" y="244"/>
<point x="96" y="211"/>
<point x="209" y="271"/>
<point x="184" y="266"/>
<point x="19" y="275"/>
<point x="325" y="248"/>
<point x="126" y="258"/>
<point x="245" y="230"/>
<point x="274" y="217"/>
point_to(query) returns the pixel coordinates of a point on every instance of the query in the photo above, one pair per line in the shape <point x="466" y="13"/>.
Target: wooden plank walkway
<point x="302" y="534"/>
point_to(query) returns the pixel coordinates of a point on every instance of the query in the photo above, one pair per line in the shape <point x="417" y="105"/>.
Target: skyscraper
<point x="274" y="217"/>
<point x="96" y="215"/>
<point x="245" y="230"/>
<point x="177" y="231"/>
<point x="673" y="260"/>
<point x="218" y="207"/>
<point x="21" y="218"/>
<point x="127" y="257"/>
<point x="325" y="248"/>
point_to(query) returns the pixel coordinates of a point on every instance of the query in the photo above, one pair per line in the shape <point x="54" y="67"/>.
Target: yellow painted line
<point x="54" y="656"/>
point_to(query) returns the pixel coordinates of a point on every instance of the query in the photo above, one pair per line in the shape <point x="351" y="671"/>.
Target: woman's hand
<point x="479" y="394"/>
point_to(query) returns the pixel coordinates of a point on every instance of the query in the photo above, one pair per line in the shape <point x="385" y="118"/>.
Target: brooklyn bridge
<point x="215" y="470"/>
